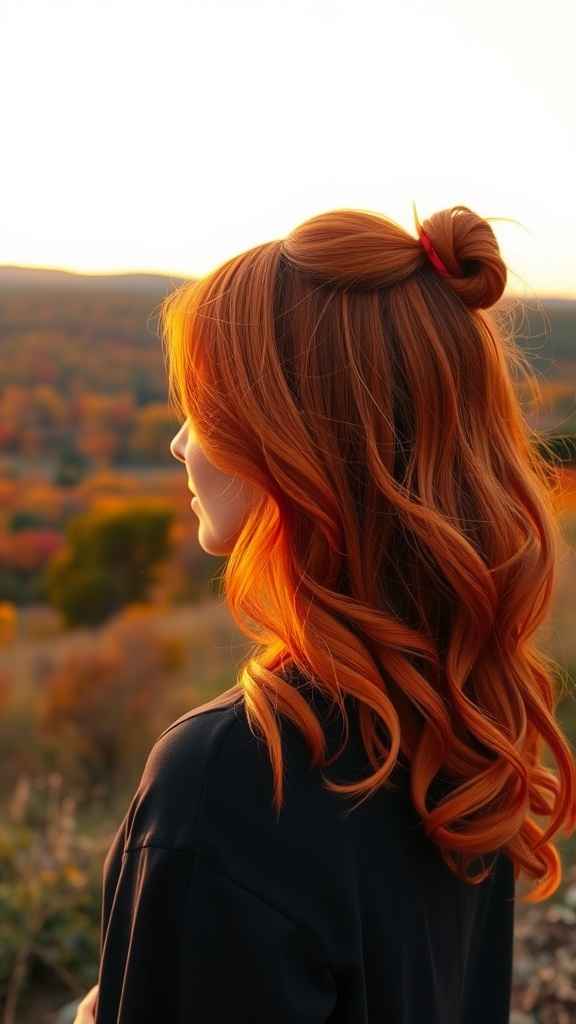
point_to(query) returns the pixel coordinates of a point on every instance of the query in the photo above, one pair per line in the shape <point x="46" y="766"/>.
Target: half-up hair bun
<point x="352" y="249"/>
<point x="467" y="246"/>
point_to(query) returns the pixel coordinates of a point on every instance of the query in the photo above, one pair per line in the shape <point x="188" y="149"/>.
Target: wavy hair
<point x="402" y="550"/>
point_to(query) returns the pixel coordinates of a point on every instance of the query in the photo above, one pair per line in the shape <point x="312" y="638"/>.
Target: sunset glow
<point x="168" y="136"/>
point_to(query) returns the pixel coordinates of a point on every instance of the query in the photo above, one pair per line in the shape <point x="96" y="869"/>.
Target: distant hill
<point x="81" y="333"/>
<point x="40" y="278"/>
<point x="547" y="331"/>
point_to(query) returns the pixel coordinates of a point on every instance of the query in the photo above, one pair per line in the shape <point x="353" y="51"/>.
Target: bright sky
<point x="166" y="135"/>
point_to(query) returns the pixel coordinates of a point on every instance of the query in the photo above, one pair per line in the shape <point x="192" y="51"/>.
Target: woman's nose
<point x="177" y="444"/>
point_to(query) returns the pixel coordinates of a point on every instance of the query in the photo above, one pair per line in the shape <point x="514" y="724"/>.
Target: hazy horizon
<point x="178" y="276"/>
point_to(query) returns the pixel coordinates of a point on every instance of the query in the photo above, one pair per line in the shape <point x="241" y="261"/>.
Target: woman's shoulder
<point x="208" y="788"/>
<point x="199" y="725"/>
<point x="188" y="745"/>
<point x="165" y="809"/>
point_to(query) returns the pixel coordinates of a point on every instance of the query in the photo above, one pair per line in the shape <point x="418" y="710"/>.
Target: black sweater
<point x="217" y="911"/>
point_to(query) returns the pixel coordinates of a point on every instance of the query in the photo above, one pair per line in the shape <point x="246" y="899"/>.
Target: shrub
<point x="100" y="704"/>
<point x="110" y="560"/>
<point x="49" y="892"/>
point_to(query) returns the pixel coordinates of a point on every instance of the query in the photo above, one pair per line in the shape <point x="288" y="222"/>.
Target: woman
<point x="336" y="838"/>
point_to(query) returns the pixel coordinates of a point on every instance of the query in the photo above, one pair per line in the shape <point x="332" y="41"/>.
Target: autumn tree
<point x="109" y="560"/>
<point x="102" y="705"/>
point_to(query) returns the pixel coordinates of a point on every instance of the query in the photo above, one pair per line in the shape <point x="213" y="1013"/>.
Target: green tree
<point x="109" y="560"/>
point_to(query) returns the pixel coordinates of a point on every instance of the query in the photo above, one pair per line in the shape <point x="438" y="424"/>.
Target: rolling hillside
<point x="81" y="363"/>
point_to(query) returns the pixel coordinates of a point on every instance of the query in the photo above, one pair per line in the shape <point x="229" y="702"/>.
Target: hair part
<point x="402" y="553"/>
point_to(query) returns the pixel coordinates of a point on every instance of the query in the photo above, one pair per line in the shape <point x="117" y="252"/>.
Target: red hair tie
<point x="431" y="253"/>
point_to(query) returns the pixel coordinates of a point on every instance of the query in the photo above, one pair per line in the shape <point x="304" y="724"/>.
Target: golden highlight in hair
<point x="402" y="552"/>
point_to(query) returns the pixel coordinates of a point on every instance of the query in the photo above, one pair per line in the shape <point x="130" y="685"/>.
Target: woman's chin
<point x="213" y="545"/>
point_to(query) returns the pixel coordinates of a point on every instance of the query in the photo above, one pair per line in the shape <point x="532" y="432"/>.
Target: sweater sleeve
<point x="185" y="944"/>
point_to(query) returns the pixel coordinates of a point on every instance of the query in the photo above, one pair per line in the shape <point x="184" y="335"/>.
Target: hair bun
<point x="352" y="249"/>
<point x="467" y="246"/>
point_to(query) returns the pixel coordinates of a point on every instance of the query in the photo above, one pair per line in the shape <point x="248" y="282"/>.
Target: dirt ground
<point x="544" y="972"/>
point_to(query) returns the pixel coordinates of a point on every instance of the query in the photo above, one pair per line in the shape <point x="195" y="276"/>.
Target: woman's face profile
<point x="220" y="501"/>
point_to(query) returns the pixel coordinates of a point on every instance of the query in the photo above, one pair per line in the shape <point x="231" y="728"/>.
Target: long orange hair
<point x="402" y="550"/>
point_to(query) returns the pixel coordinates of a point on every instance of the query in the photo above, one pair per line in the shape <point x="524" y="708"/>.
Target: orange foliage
<point x="34" y="514"/>
<point x="42" y="500"/>
<point x="29" y="550"/>
<point x="552" y="390"/>
<point x="109" y="482"/>
<point x="99" y="701"/>
<point x="8" y="626"/>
